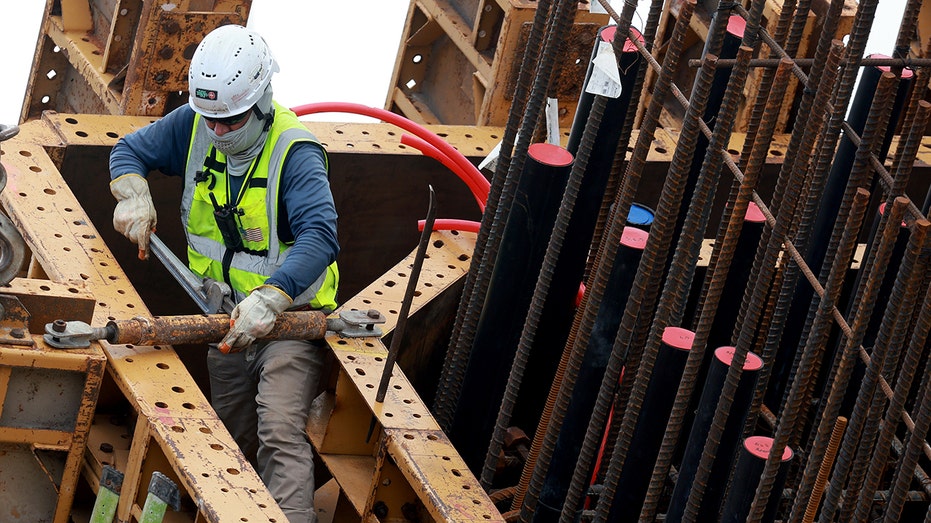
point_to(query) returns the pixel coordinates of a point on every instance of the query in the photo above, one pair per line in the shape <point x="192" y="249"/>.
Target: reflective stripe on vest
<point x="206" y="250"/>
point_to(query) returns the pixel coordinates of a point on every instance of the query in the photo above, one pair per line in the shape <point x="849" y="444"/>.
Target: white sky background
<point x="328" y="51"/>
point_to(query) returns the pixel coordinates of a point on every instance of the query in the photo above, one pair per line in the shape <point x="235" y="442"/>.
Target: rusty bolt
<point x="166" y="52"/>
<point x="17" y="333"/>
<point x="59" y="325"/>
<point x="106" y="447"/>
<point x="160" y="77"/>
<point x="172" y="27"/>
<point x="188" y="52"/>
<point x="380" y="509"/>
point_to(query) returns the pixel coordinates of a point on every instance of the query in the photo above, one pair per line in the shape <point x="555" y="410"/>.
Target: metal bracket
<point x="165" y="490"/>
<point x="219" y="296"/>
<point x="61" y="334"/>
<point x="14" y="322"/>
<point x="357" y="324"/>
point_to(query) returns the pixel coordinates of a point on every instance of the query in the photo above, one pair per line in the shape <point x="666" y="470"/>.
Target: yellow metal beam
<point x="177" y="417"/>
<point x="85" y="57"/>
<point x="405" y="430"/>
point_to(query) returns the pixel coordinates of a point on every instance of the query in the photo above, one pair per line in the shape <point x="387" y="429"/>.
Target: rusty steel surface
<point x="118" y="56"/>
<point x="459" y="62"/>
<point x="404" y="467"/>
<point x="408" y="468"/>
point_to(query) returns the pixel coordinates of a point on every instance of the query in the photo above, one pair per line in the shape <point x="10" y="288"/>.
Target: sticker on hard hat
<point x="206" y="94"/>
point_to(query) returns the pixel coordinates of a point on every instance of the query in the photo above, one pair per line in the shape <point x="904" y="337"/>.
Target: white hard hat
<point x="229" y="72"/>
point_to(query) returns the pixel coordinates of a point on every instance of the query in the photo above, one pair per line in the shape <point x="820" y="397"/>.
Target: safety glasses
<point x="229" y="121"/>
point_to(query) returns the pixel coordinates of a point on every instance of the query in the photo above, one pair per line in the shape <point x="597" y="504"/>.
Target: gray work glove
<point x="254" y="317"/>
<point x="134" y="216"/>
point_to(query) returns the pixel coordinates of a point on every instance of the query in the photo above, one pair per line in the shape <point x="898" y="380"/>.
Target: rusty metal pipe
<point x="857" y="42"/>
<point x="788" y="25"/>
<point x="921" y="78"/>
<point x="685" y="260"/>
<point x="883" y="361"/>
<point x="909" y="461"/>
<point x="637" y="331"/>
<point x="734" y="220"/>
<point x="790" y="185"/>
<point x="874" y="370"/>
<point x="209" y="328"/>
<point x="500" y="193"/>
<point x="798" y="24"/>
<point x="902" y="388"/>
<point x="895" y="409"/>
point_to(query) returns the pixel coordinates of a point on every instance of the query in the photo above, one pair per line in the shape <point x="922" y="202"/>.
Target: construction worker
<point x="258" y="214"/>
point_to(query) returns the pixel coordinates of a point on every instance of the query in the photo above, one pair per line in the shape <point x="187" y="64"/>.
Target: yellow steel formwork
<point x="169" y="426"/>
<point x="174" y="424"/>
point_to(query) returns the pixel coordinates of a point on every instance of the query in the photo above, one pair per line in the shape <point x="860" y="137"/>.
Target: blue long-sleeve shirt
<point x="306" y="213"/>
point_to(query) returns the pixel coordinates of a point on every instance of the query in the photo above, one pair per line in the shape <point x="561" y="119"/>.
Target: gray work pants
<point x="263" y="396"/>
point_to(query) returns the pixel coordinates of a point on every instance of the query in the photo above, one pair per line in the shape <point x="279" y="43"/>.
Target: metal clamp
<point x="61" y="334"/>
<point x="12" y="246"/>
<point x="357" y="324"/>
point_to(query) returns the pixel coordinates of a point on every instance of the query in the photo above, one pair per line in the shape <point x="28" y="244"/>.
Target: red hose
<point x="468" y="172"/>
<point x="429" y="150"/>
<point x="451" y="224"/>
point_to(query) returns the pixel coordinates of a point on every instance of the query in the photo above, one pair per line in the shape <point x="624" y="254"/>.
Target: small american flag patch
<point x="253" y="235"/>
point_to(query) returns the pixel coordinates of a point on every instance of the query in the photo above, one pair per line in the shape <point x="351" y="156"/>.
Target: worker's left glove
<point x="254" y="317"/>
<point x="134" y="216"/>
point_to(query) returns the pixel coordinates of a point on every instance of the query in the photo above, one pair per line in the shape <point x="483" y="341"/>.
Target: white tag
<point x="605" y="79"/>
<point x="552" y="121"/>
<point x="491" y="161"/>
<point x="595" y="7"/>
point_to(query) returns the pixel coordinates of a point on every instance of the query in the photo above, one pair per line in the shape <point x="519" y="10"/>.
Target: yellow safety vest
<point x="250" y="266"/>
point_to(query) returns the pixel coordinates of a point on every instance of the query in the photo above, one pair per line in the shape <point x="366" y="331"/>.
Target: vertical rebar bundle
<point x="775" y="284"/>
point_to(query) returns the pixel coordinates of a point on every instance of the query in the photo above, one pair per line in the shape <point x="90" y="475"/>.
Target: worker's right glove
<point x="134" y="216"/>
<point x="254" y="317"/>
